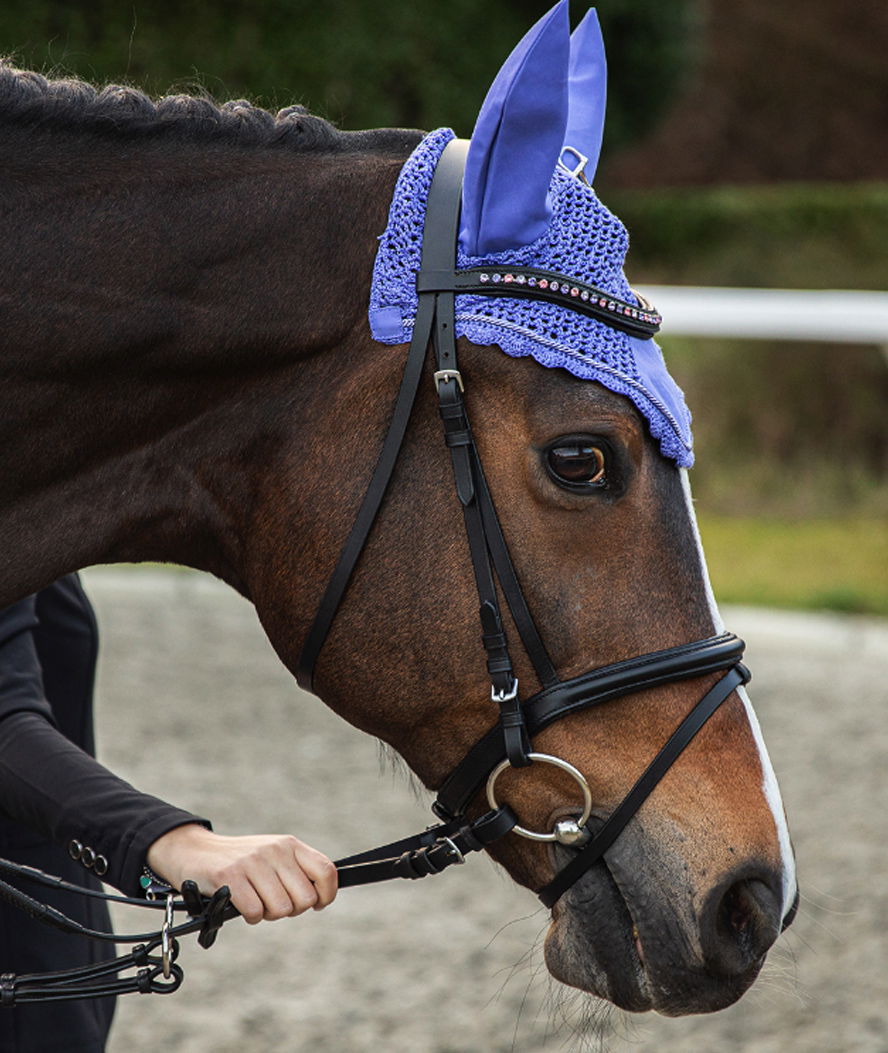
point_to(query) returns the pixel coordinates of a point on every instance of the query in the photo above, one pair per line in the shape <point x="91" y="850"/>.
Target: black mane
<point x="29" y="99"/>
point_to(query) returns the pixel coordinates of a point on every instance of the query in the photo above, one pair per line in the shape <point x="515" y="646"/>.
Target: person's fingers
<point x="269" y="876"/>
<point x="300" y="893"/>
<point x="247" y="900"/>
<point x="277" y="880"/>
<point x="321" y="871"/>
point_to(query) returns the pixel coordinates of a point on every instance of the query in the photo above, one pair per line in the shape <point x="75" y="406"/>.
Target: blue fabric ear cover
<point x="522" y="209"/>
<point x="517" y="142"/>
<point x="587" y="92"/>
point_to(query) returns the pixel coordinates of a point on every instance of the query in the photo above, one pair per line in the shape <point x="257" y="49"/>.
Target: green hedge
<point x="802" y="235"/>
<point x="781" y="428"/>
<point x="417" y="64"/>
<point x="839" y="565"/>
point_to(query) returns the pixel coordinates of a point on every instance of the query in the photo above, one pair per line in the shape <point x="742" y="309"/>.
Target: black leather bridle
<point x="508" y="743"/>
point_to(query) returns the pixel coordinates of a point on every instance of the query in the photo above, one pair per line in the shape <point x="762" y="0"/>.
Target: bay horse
<point x="188" y="376"/>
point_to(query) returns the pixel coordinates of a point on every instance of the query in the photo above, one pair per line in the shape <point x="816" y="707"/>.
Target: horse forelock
<point x="30" y="99"/>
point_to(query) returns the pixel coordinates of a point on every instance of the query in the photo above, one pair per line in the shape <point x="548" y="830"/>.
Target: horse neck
<point x="166" y="310"/>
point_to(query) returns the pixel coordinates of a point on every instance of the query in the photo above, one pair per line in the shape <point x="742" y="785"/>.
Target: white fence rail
<point x="837" y="316"/>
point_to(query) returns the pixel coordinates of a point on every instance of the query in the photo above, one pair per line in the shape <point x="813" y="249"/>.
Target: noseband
<point x="508" y="743"/>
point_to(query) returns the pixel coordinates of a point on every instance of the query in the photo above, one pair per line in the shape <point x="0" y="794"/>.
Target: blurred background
<point x="746" y="145"/>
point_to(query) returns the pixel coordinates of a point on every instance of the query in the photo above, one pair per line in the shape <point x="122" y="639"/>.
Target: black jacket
<point x="57" y="803"/>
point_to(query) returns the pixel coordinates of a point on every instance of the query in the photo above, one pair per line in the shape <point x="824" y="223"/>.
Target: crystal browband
<point x="639" y="319"/>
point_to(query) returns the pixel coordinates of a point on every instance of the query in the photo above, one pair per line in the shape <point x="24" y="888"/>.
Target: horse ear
<point x="587" y="92"/>
<point x="517" y="142"/>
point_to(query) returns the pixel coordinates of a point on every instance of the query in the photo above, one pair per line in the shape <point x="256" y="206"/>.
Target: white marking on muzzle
<point x="770" y="789"/>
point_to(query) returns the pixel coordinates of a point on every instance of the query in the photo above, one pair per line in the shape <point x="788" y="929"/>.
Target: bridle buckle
<point x="442" y="376"/>
<point x="505" y="696"/>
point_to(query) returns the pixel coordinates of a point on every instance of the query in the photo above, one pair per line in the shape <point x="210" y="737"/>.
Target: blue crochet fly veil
<point x="525" y="212"/>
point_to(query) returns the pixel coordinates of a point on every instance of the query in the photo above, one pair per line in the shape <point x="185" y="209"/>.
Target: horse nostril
<point x="739" y="923"/>
<point x="738" y="909"/>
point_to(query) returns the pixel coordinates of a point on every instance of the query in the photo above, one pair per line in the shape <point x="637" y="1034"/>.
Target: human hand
<point x="270" y="876"/>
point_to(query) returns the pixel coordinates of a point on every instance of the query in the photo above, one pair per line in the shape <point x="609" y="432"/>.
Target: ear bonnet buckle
<point x="579" y="160"/>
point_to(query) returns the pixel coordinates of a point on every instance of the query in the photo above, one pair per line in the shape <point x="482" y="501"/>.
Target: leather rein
<point x="509" y="741"/>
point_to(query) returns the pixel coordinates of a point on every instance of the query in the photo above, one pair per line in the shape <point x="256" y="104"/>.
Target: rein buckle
<point x="458" y="857"/>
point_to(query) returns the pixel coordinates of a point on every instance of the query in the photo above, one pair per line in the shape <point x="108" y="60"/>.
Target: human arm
<point x="50" y="785"/>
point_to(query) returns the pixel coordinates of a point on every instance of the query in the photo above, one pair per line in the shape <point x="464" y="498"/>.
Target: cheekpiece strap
<point x="442" y="223"/>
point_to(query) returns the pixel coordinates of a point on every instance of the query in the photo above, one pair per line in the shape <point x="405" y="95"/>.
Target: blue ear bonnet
<point x="582" y="240"/>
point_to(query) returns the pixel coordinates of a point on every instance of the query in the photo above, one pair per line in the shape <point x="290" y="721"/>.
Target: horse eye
<point x="577" y="465"/>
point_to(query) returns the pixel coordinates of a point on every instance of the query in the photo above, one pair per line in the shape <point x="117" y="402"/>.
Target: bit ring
<point x="544" y="758"/>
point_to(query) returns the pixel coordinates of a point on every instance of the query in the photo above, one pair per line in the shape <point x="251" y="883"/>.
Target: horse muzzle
<point x="636" y="932"/>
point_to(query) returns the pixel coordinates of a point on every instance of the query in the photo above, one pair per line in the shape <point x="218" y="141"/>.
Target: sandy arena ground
<point x="194" y="706"/>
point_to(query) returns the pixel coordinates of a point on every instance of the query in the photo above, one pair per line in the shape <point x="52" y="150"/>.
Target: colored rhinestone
<point x="508" y="278"/>
<point x="496" y="277"/>
<point x="544" y="284"/>
<point x="574" y="291"/>
<point x="531" y="281"/>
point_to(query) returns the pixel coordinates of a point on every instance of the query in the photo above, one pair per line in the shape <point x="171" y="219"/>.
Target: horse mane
<point x="29" y="99"/>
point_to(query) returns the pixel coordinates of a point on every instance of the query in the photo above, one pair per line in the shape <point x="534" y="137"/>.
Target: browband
<point x="638" y="319"/>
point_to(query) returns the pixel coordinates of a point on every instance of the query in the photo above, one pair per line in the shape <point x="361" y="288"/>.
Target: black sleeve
<point x="21" y="682"/>
<point x="51" y="785"/>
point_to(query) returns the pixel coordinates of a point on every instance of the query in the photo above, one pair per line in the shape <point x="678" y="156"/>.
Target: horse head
<point x="192" y="381"/>
<point x="585" y="443"/>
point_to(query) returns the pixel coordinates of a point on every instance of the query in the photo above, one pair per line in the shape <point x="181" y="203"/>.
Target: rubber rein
<point x="509" y="741"/>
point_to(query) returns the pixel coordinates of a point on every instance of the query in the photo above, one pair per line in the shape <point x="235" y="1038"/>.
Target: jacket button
<point x="75" y="848"/>
<point x="87" y="856"/>
<point x="101" y="865"/>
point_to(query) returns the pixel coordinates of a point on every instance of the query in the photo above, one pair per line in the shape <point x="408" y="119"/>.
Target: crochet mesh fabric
<point x="584" y="241"/>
